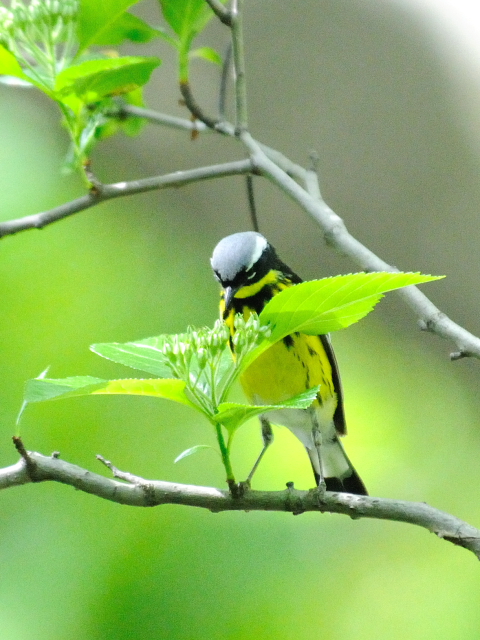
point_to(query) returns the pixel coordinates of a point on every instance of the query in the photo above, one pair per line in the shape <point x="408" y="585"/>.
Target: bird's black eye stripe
<point x="252" y="275"/>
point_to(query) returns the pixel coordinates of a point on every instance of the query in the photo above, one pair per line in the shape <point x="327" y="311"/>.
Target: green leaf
<point x="39" y="390"/>
<point x="127" y="27"/>
<point x="186" y="17"/>
<point x="97" y="17"/>
<point x="232" y="415"/>
<point x="10" y="68"/>
<point x="224" y="368"/>
<point x="207" y="53"/>
<point x="192" y="451"/>
<point x="9" y="65"/>
<point x="144" y="355"/>
<point x="92" y="80"/>
<point x="166" y="388"/>
<point x="41" y="376"/>
<point x="321" y="306"/>
<point x="133" y="124"/>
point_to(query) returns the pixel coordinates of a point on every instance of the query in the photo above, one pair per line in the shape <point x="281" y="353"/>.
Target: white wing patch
<point x="260" y="244"/>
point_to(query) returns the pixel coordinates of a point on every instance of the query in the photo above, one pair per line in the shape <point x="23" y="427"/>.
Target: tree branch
<point x="194" y="108"/>
<point x="222" y="93"/>
<point x="222" y="13"/>
<point x="290" y="177"/>
<point x="156" y="117"/>
<point x="138" y="492"/>
<point x="337" y="236"/>
<point x="120" y="189"/>
<point x="239" y="65"/>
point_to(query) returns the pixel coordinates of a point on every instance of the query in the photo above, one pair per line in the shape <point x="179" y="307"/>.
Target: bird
<point x="250" y="273"/>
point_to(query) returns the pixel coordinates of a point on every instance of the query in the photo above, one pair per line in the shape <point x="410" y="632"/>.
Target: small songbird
<point x="251" y="273"/>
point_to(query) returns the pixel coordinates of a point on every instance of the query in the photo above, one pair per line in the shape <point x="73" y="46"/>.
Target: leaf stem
<point x="225" y="458"/>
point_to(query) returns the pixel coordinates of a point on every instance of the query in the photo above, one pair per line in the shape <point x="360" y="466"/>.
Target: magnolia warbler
<point x="251" y="273"/>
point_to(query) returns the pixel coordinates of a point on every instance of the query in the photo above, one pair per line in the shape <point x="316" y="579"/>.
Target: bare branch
<point x="222" y="13"/>
<point x="251" y="203"/>
<point x="222" y="94"/>
<point x="234" y="19"/>
<point x="194" y="108"/>
<point x="120" y="189"/>
<point x="336" y="235"/>
<point x="159" y="118"/>
<point x="290" y="177"/>
<point x="239" y="65"/>
<point x="155" y="117"/>
<point x="138" y="492"/>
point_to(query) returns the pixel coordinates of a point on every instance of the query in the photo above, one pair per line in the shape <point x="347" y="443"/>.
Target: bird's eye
<point x="215" y="273"/>
<point x="250" y="276"/>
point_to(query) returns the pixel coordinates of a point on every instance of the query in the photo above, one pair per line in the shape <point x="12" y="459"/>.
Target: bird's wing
<point x="339" y="415"/>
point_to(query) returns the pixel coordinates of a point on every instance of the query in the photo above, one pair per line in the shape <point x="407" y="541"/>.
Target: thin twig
<point x="222" y="13"/>
<point x="239" y="65"/>
<point x="120" y="189"/>
<point x="194" y="108"/>
<point x="155" y="117"/>
<point x="337" y="236"/>
<point x="251" y="203"/>
<point x="287" y="175"/>
<point x="96" y="186"/>
<point x="135" y="491"/>
<point x="30" y="465"/>
<point x="222" y="94"/>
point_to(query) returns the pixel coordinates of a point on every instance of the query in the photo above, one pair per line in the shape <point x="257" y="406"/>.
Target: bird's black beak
<point x="228" y="295"/>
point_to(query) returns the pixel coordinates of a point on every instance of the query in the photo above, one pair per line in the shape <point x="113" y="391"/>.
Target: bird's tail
<point x="339" y="473"/>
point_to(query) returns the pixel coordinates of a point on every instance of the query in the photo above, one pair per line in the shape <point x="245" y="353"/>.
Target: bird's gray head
<point x="235" y="257"/>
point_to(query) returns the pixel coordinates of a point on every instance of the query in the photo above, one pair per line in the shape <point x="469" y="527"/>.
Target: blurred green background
<point x="387" y="96"/>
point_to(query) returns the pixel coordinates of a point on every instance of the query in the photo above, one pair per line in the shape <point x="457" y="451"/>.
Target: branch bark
<point x="298" y="183"/>
<point x="336" y="235"/>
<point x="220" y="11"/>
<point x="109" y="191"/>
<point x="138" y="492"/>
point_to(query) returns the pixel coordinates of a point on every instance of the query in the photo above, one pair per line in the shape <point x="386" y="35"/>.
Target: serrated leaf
<point x="232" y="414"/>
<point x="167" y="388"/>
<point x="192" y="451"/>
<point x="207" y="53"/>
<point x="39" y="390"/>
<point x="144" y="355"/>
<point x="127" y="27"/>
<point x="320" y="306"/>
<point x="96" y="17"/>
<point x="92" y="80"/>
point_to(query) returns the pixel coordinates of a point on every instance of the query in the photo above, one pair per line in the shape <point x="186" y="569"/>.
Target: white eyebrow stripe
<point x="260" y="244"/>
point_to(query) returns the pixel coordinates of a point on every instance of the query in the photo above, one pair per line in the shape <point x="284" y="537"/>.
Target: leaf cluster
<point x="55" y="46"/>
<point x="198" y="369"/>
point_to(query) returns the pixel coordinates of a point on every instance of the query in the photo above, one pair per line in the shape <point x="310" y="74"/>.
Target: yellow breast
<point x="293" y="365"/>
<point x="290" y="367"/>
